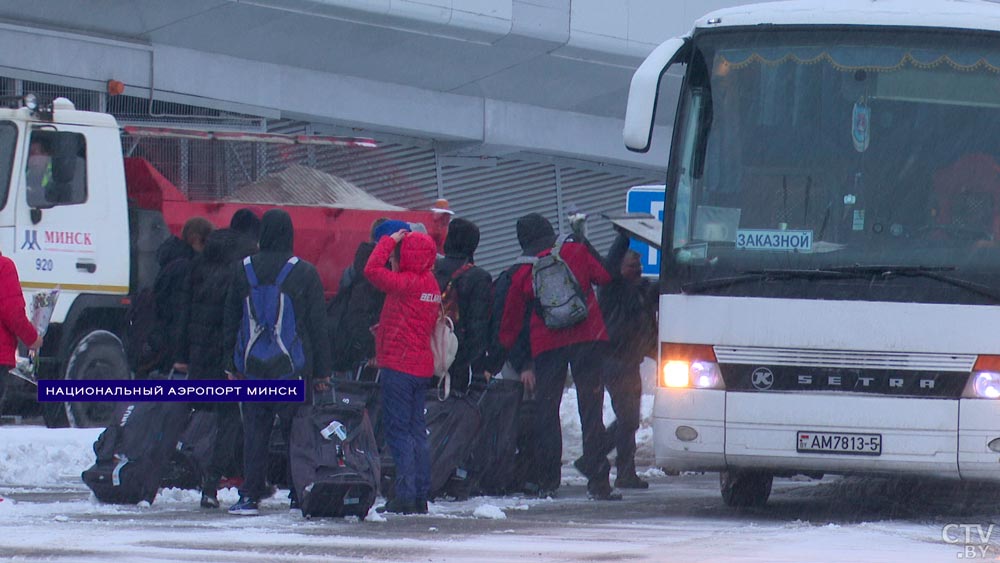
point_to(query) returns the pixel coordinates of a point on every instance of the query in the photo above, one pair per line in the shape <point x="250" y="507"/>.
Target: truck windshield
<point x="8" y="140"/>
<point x="825" y="150"/>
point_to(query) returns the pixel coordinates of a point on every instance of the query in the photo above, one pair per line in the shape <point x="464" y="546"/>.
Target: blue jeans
<point x="403" y="397"/>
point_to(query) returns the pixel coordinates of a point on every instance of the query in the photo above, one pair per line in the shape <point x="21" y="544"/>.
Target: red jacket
<point x="412" y="304"/>
<point x="588" y="271"/>
<point x="14" y="323"/>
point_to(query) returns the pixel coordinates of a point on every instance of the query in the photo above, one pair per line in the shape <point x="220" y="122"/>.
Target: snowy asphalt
<point x="679" y="519"/>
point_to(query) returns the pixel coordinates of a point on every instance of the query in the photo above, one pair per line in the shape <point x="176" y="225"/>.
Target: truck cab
<point x="64" y="223"/>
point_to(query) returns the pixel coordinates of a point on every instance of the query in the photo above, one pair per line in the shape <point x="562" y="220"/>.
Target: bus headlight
<point x="691" y="373"/>
<point x="983" y="385"/>
<point x="676" y="374"/>
<point x="706" y="375"/>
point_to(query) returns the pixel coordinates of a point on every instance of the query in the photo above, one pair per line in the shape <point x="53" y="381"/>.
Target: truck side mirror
<point x="65" y="150"/>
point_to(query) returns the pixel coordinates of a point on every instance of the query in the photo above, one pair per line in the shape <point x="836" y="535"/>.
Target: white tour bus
<point x="830" y="283"/>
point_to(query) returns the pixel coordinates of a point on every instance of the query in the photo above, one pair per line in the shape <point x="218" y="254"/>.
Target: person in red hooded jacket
<point x="404" y="357"/>
<point x="14" y="324"/>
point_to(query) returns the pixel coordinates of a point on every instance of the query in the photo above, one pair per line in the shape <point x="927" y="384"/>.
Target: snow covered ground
<point x="46" y="513"/>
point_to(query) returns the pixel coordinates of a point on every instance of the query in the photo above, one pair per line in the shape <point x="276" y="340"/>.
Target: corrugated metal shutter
<point x="494" y="198"/>
<point x="594" y="193"/>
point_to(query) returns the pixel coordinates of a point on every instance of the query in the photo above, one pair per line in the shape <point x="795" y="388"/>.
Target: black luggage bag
<point x="491" y="464"/>
<point x="190" y="458"/>
<point x="452" y="427"/>
<point x="133" y="452"/>
<point x="334" y="456"/>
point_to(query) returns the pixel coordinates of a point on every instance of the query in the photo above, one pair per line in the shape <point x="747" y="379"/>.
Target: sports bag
<point x="133" y="451"/>
<point x="334" y="455"/>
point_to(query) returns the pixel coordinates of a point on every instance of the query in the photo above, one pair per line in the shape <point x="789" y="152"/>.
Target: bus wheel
<point x="97" y="355"/>
<point x="742" y="488"/>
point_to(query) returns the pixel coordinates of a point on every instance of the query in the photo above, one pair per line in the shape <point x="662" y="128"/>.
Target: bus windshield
<point x="857" y="153"/>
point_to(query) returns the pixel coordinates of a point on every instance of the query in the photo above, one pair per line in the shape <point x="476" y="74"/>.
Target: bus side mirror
<point x="65" y="150"/>
<point x="643" y="90"/>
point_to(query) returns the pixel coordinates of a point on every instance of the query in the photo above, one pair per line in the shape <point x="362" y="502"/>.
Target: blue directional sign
<point x="646" y="199"/>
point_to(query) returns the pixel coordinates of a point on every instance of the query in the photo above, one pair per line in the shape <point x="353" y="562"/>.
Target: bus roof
<point x="948" y="14"/>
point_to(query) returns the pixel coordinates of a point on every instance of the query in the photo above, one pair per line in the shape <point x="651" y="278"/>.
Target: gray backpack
<point x="559" y="299"/>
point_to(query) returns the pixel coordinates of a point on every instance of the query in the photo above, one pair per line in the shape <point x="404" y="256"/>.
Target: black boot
<point x="398" y="506"/>
<point x="630" y="481"/>
<point x="627" y="479"/>
<point x="209" y="493"/>
<point x="420" y="507"/>
<point x="599" y="485"/>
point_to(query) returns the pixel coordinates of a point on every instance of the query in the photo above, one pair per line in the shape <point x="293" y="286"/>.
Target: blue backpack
<point x="269" y="346"/>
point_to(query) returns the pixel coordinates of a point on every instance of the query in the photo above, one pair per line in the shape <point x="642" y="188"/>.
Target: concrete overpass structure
<point x="501" y="106"/>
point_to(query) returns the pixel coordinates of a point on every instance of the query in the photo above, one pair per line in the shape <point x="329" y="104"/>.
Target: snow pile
<point x="489" y="511"/>
<point x="481" y="507"/>
<point x="302" y="185"/>
<point x="227" y="497"/>
<point x="373" y="515"/>
<point x="39" y="456"/>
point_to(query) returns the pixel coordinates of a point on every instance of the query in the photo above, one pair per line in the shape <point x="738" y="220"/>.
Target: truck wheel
<point x="742" y="488"/>
<point x="97" y="355"/>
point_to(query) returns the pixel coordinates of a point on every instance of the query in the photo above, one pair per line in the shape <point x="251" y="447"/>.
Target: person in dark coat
<point x="629" y="304"/>
<point x="581" y="347"/>
<point x="357" y="306"/>
<point x="510" y="364"/>
<point x="304" y="288"/>
<point x="174" y="256"/>
<point x="472" y="285"/>
<point x="202" y="353"/>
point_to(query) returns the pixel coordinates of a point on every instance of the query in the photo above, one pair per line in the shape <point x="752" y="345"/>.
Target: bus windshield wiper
<point x="765" y="275"/>
<point x="929" y="272"/>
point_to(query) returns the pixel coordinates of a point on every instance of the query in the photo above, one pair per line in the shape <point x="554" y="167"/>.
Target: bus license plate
<point x="839" y="443"/>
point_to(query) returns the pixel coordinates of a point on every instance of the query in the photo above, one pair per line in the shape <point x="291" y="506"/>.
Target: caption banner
<point x="205" y="391"/>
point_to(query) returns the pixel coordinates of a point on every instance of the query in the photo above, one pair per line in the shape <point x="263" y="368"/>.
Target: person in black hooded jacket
<point x="473" y="287"/>
<point x="355" y="310"/>
<point x="246" y="226"/>
<point x="629" y="304"/>
<point x="201" y="352"/>
<point x="304" y="288"/>
<point x="174" y="256"/>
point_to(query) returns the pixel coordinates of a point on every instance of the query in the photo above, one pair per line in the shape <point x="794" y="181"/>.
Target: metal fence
<point x="211" y="169"/>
